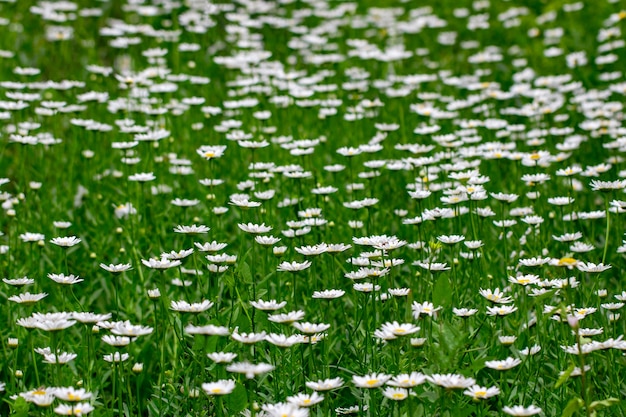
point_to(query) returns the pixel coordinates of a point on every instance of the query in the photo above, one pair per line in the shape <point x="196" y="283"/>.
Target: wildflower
<point x="42" y="397"/>
<point x="496" y="296"/>
<point x="116" y="268"/>
<point x="519" y="410"/>
<point x="506" y="340"/>
<point x="464" y="312"/>
<point x="210" y="246"/>
<point x="284" y="341"/>
<point x="407" y="380"/>
<point x="71" y="394"/>
<point x="154" y="293"/>
<point x="27" y="298"/>
<point x="399" y="329"/>
<point x="193" y="229"/>
<point x="532" y="262"/>
<point x="311" y="328"/>
<point x="325" y="384"/>
<point x="287" y="318"/>
<point x="426" y="308"/>
<point x="163" y="263"/>
<point x="373" y="380"/>
<point x="186" y="307"/>
<point x="222" y="357"/>
<point x="284" y="410"/>
<point x="399" y="292"/>
<point x="209" y="330"/>
<point x="78" y="409"/>
<point x="125" y="328"/>
<point x="432" y="266"/>
<point x="66" y="242"/>
<point x="293" y="266"/>
<point x="19" y="282"/>
<point x="366" y="287"/>
<point x="181" y="254"/>
<point x="501" y="310"/>
<point x="305" y="400"/>
<point x="124" y="210"/>
<point x="502" y="365"/>
<point x="116" y="341"/>
<point x="62" y="357"/>
<point x="533" y="350"/>
<point x="396" y="394"/>
<point x="116" y="357"/>
<point x="63" y="279"/>
<point x="591" y="267"/>
<point x="451" y="239"/>
<point x="605" y="186"/>
<point x="312" y="250"/>
<point x="568" y="237"/>
<point x="477" y="392"/>
<point x="248" y="338"/>
<point x="266" y="240"/>
<point x="524" y="280"/>
<point x="211" y="152"/>
<point x="249" y="369"/>
<point x="328" y="294"/>
<point x="268" y="305"/>
<point x="244" y="202"/>
<point x="221" y="387"/>
<point x="451" y="381"/>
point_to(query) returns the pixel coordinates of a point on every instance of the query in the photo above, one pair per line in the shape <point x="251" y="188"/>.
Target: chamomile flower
<point x="325" y="384"/>
<point x="396" y="394"/>
<point x="221" y="387"/>
<point x="451" y="381"/>
<point x="373" y="380"/>
<point x="519" y="410"/>
<point x="66" y="241"/>
<point x="305" y="400"/>
<point x="481" y="393"/>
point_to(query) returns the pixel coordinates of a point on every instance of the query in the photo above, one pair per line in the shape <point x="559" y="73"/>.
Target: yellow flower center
<point x="567" y="261"/>
<point x="398" y="396"/>
<point x="216" y="390"/>
<point x="371" y="382"/>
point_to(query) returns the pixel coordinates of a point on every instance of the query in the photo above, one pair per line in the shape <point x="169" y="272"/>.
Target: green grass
<point x="291" y="89"/>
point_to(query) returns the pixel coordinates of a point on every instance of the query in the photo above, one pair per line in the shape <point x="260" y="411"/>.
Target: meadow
<point x="312" y="208"/>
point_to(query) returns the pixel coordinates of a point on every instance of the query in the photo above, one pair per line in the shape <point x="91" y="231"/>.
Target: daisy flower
<point x="396" y="394"/>
<point x="221" y="387"/>
<point x="373" y="380"/>
<point x="481" y="393"/>
<point x="519" y="410"/>
<point x="65" y="242"/>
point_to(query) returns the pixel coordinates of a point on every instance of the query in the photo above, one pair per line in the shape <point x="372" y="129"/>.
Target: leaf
<point x="20" y="407"/>
<point x="237" y="400"/>
<point x="603" y="403"/>
<point x="573" y="405"/>
<point x="442" y="293"/>
<point x="244" y="273"/>
<point x="565" y="376"/>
